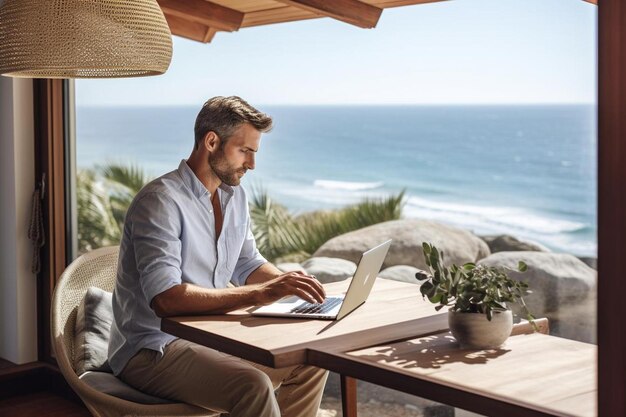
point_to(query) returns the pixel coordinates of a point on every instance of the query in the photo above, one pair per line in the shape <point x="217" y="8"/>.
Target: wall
<point x="18" y="293"/>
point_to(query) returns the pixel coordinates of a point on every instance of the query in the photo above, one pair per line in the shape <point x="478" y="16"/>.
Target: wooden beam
<point x="208" y="36"/>
<point x="185" y="28"/>
<point x="277" y="15"/>
<point x="398" y="3"/>
<point x="203" y="12"/>
<point x="350" y="11"/>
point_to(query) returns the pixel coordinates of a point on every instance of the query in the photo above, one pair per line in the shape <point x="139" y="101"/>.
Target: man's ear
<point x="211" y="141"/>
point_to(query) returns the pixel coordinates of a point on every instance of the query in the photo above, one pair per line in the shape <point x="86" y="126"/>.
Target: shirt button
<point x="211" y="211"/>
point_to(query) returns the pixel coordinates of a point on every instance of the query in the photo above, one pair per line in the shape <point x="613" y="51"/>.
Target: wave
<point x="313" y="198"/>
<point x="348" y="186"/>
<point x="554" y="232"/>
<point x="494" y="218"/>
<point x="557" y="234"/>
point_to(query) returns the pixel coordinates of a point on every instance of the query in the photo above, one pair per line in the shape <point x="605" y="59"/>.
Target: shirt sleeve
<point x="250" y="258"/>
<point x="155" y="228"/>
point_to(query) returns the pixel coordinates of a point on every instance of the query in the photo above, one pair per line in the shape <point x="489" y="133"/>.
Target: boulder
<point x="290" y="266"/>
<point x="590" y="261"/>
<point x="402" y="273"/>
<point x="329" y="269"/>
<point x="459" y="246"/>
<point x="508" y="243"/>
<point x="564" y="289"/>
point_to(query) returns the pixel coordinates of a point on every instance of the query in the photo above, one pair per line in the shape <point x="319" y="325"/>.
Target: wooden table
<point x="530" y="375"/>
<point x="393" y="311"/>
<point x="396" y="339"/>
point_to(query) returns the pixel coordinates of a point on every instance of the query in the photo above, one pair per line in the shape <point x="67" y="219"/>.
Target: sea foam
<point x="349" y="186"/>
<point x="558" y="234"/>
<point x="489" y="217"/>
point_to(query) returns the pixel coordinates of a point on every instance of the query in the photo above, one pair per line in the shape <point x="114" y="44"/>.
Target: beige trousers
<point x="204" y="377"/>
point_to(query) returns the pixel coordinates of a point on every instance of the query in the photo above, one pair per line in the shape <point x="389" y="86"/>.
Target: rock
<point x="564" y="290"/>
<point x="507" y="243"/>
<point x="402" y="273"/>
<point x="459" y="246"/>
<point x="590" y="261"/>
<point x="329" y="269"/>
<point x="290" y="266"/>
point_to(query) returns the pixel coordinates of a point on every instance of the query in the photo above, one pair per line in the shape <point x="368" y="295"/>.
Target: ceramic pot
<point x="474" y="331"/>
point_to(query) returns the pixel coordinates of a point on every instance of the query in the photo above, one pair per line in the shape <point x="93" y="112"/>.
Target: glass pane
<point x="474" y="123"/>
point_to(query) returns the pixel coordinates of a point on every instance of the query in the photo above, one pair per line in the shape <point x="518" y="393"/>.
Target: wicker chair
<point x="96" y="269"/>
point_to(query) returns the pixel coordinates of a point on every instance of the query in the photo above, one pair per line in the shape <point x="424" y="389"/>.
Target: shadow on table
<point x="429" y="352"/>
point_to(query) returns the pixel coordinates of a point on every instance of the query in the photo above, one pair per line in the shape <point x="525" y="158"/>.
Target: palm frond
<point x="132" y="177"/>
<point x="319" y="227"/>
<point x="123" y="182"/>
<point x="273" y="227"/>
<point x="280" y="235"/>
<point x="96" y="224"/>
<point x="103" y="196"/>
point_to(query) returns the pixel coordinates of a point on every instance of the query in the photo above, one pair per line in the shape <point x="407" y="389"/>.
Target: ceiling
<point x="200" y="20"/>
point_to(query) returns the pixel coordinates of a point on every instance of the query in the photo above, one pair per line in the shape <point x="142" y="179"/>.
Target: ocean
<point x="528" y="171"/>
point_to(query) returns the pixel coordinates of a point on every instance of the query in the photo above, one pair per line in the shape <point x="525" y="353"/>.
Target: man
<point x="186" y="236"/>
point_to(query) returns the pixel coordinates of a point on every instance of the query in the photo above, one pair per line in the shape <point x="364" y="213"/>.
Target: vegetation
<point x="470" y="288"/>
<point x="281" y="236"/>
<point x="104" y="194"/>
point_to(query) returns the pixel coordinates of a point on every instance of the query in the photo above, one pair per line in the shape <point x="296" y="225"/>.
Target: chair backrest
<point x="97" y="268"/>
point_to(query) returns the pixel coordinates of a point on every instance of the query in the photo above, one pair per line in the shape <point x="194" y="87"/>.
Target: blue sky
<point x="454" y="52"/>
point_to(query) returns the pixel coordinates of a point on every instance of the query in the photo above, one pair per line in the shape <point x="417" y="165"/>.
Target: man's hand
<point x="188" y="299"/>
<point x="299" y="284"/>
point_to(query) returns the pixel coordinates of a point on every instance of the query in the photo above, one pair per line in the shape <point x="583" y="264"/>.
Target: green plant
<point x="274" y="229"/>
<point x="103" y="195"/>
<point x="471" y="288"/>
<point x="281" y="236"/>
<point x="318" y="227"/>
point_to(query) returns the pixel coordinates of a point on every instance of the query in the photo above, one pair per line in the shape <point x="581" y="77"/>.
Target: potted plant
<point x="477" y="298"/>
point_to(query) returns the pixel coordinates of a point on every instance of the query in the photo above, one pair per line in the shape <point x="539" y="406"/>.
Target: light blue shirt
<point x="169" y="239"/>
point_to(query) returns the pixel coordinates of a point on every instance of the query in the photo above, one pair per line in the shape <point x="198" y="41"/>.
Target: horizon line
<point x="523" y="104"/>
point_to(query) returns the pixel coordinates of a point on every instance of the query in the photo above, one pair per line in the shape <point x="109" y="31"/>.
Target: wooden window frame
<point x="51" y="122"/>
<point x="51" y="147"/>
<point x="611" y="206"/>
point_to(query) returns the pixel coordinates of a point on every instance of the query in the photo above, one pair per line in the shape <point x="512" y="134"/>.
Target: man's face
<point x="232" y="159"/>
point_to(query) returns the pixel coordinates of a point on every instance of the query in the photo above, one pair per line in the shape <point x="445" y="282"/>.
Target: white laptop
<point x="335" y="307"/>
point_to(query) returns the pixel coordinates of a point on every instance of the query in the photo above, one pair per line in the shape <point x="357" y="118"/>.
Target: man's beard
<point x="228" y="174"/>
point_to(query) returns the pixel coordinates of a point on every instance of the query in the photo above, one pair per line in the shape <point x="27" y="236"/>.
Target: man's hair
<point x="224" y="115"/>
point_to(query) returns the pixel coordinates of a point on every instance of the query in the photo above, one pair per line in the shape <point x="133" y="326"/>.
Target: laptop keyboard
<point x="321" y="308"/>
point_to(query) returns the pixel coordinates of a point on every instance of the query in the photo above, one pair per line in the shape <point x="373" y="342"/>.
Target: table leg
<point x="348" y="396"/>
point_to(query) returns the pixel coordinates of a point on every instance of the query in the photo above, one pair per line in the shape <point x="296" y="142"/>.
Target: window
<point x="525" y="169"/>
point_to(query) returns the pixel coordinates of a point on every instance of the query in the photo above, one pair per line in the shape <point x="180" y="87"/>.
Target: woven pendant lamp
<point x="83" y="38"/>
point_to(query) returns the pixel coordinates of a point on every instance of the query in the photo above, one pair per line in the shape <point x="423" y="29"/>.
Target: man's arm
<point x="259" y="282"/>
<point x="191" y="299"/>
<point x="264" y="273"/>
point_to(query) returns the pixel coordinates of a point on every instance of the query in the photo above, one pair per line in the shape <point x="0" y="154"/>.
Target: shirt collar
<point x="195" y="185"/>
<point x="190" y="180"/>
<point x="227" y="189"/>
